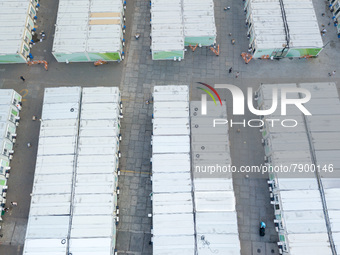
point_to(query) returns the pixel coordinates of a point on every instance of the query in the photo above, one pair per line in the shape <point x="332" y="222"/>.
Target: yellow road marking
<point x="24" y="94"/>
<point x="133" y="100"/>
<point x="134" y="172"/>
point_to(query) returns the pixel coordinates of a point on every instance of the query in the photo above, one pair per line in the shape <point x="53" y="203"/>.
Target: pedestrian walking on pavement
<point x="22" y="78"/>
<point x="230" y="70"/>
<point x="14" y="203"/>
<point x="332" y="73"/>
<point x="237" y="75"/>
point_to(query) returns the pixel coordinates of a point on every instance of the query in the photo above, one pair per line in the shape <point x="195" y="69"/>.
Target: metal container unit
<point x="214" y="198"/>
<point x="167" y="35"/>
<point x="180" y="23"/>
<point x="199" y="22"/>
<point x="325" y="139"/>
<point x="10" y="105"/>
<point x="172" y="202"/>
<point x="4" y="167"/>
<point x="74" y="197"/>
<point x="94" y="207"/>
<point x="299" y="207"/>
<point x="17" y="19"/>
<point x="282" y="28"/>
<point x="334" y="6"/>
<point x="10" y="97"/>
<point x="87" y="31"/>
<point x="50" y="211"/>
<point x="181" y="195"/>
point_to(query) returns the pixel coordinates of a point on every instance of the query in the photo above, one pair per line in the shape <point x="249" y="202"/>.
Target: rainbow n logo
<point x="204" y="97"/>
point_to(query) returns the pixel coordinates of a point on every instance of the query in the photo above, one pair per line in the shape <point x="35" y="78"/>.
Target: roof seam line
<point x="318" y="178"/>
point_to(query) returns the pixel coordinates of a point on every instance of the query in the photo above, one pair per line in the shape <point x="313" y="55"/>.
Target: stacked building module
<point x="74" y="197"/>
<point x="94" y="207"/>
<point x="167" y="35"/>
<point x="214" y="198"/>
<point x="10" y="105"/>
<point x="323" y="126"/>
<point x="180" y="23"/>
<point x="89" y="30"/>
<point x="51" y="200"/>
<point x="301" y="215"/>
<point x="199" y="22"/>
<point x="193" y="212"/>
<point x="17" y="20"/>
<point x="172" y="201"/>
<point x="282" y="28"/>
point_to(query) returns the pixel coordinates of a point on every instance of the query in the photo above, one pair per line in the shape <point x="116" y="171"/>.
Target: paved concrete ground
<point x="142" y="73"/>
<point x="139" y="73"/>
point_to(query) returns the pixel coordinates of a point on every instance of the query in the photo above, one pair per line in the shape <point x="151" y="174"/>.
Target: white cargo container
<point x="324" y="125"/>
<point x="101" y="246"/>
<point x="171" y="163"/>
<point x="171" y="93"/>
<point x="167" y="35"/>
<point x="180" y="23"/>
<point x="6" y="148"/>
<point x="9" y="113"/>
<point x="45" y="246"/>
<point x="167" y="227"/>
<point x="325" y="139"/>
<point x="171" y="144"/>
<point x="10" y="96"/>
<point x="53" y="180"/>
<point x="299" y="206"/>
<point x="171" y="182"/>
<point x="277" y="144"/>
<point x="172" y="201"/>
<point x="47" y="227"/>
<point x="10" y="105"/>
<point x="215" y="205"/>
<point x="54" y="164"/>
<point x="75" y="184"/>
<point x="60" y="128"/>
<point x="4" y="166"/>
<point x="17" y="20"/>
<point x="102" y="204"/>
<point x="171" y="109"/>
<point x="282" y="28"/>
<point x="96" y="164"/>
<point x="175" y="131"/>
<point x="89" y="31"/>
<point x="173" y="245"/>
<point x="199" y="22"/>
<point x="173" y="224"/>
<point x="311" y="243"/>
<point x="94" y="213"/>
